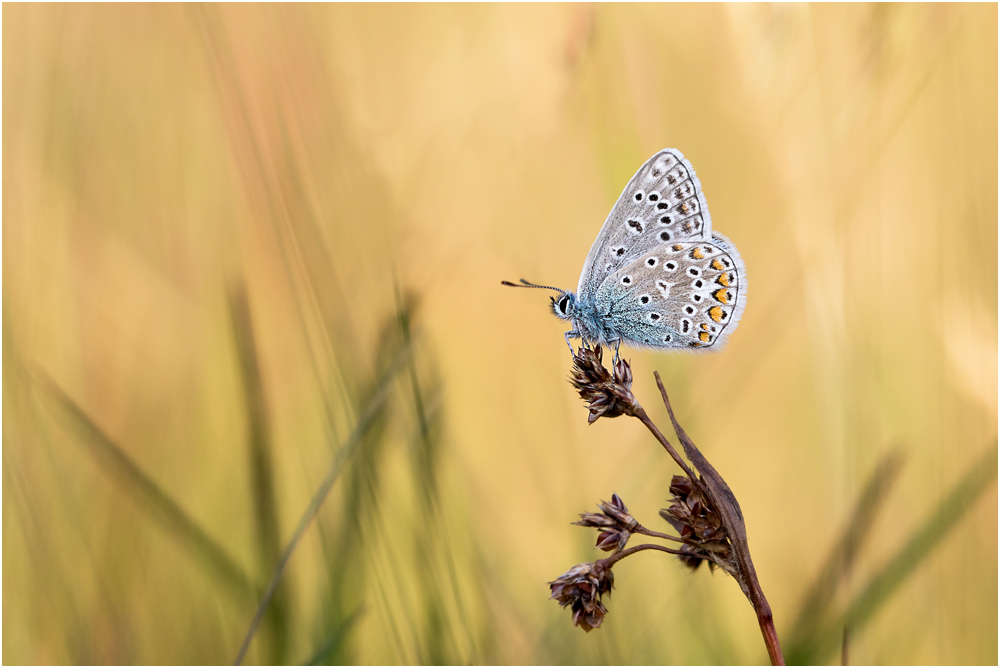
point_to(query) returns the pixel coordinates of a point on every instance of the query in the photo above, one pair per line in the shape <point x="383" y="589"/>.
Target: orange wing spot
<point x="697" y="254"/>
<point x="716" y="313"/>
<point x="704" y="337"/>
<point x="721" y="295"/>
<point x="704" y="326"/>
<point x="723" y="280"/>
<point x="717" y="265"/>
<point x="677" y="247"/>
<point x="685" y="208"/>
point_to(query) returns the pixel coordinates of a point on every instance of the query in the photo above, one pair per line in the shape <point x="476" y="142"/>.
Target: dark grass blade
<point x="976" y="481"/>
<point x="265" y="504"/>
<point x="329" y="649"/>
<point x="815" y="611"/>
<point x="147" y="494"/>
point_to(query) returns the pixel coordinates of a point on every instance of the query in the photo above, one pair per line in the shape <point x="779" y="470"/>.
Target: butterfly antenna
<point x="526" y="284"/>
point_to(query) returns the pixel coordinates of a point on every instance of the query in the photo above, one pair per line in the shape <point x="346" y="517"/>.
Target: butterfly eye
<point x="563" y="304"/>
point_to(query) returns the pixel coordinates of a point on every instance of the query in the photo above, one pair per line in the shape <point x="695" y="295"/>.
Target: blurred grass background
<point x="239" y="240"/>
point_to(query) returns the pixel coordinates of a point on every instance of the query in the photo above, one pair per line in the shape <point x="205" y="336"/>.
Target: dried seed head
<point x="606" y="394"/>
<point x="616" y="522"/>
<point x="581" y="587"/>
<point x="692" y="515"/>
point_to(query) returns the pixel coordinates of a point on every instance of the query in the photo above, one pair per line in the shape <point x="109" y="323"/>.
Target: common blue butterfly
<point x="657" y="276"/>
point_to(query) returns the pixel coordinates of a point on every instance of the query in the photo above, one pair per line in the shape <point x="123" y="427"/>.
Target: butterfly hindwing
<point x="662" y="203"/>
<point x="683" y="294"/>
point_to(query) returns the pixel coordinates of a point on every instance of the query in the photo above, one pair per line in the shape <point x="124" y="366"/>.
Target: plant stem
<point x="656" y="534"/>
<point x="732" y="518"/>
<point x="615" y="558"/>
<point x="640" y="413"/>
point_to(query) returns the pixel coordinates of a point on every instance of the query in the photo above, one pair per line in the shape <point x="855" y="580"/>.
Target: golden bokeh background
<point x="245" y="244"/>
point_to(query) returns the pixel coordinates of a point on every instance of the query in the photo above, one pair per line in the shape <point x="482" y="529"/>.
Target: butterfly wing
<point x="663" y="202"/>
<point x="683" y="294"/>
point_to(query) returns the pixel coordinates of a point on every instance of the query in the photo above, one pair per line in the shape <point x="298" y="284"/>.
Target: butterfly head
<point x="564" y="306"/>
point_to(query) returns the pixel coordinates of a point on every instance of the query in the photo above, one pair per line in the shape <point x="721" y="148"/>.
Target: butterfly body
<point x="658" y="276"/>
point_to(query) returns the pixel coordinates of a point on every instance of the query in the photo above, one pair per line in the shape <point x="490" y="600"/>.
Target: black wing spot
<point x="698" y="283"/>
<point x="654" y="316"/>
<point x="666" y="220"/>
<point x="666" y="339"/>
<point x="663" y="206"/>
<point x="689" y="310"/>
<point x="651" y="262"/>
<point x="638" y="196"/>
<point x="694" y="271"/>
<point x="696" y="298"/>
<point x="670" y="266"/>
<point x="653" y="197"/>
<point x="685" y="325"/>
<point x="635" y="224"/>
<point x="665" y="236"/>
<point x="644" y="299"/>
<point x="626" y="280"/>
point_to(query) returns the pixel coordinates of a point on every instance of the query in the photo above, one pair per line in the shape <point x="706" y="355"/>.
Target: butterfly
<point x="658" y="276"/>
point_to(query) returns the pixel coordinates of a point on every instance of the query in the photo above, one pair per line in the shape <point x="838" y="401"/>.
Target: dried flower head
<point x="582" y="587"/>
<point x="615" y="521"/>
<point x="607" y="395"/>
<point x="691" y="513"/>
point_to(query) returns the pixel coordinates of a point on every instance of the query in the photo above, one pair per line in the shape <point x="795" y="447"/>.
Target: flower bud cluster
<point x="693" y="516"/>
<point x="606" y="395"/>
<point x="581" y="588"/>
<point x="615" y="523"/>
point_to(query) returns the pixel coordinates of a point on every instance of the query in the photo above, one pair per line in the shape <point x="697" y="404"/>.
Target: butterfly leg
<point x="618" y="344"/>
<point x="572" y="334"/>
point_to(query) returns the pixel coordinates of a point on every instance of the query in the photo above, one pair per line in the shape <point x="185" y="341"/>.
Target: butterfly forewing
<point x="677" y="295"/>
<point x="662" y="203"/>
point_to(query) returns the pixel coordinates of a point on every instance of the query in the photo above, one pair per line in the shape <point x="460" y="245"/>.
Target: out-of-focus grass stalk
<point x="364" y="423"/>
<point x="815" y="608"/>
<point x="431" y="537"/>
<point x="148" y="495"/>
<point x="977" y="479"/>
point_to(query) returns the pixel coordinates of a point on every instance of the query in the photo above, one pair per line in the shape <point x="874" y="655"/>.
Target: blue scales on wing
<point x="680" y="294"/>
